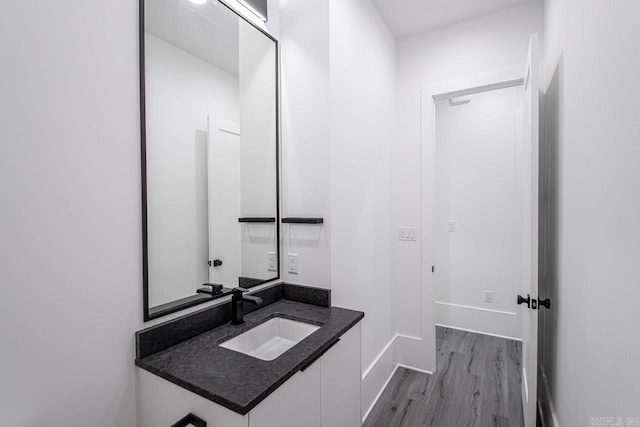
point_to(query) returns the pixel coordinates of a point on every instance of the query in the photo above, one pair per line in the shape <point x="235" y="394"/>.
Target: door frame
<point x="428" y="95"/>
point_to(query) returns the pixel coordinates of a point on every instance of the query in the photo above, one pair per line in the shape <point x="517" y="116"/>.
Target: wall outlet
<point x="407" y="234"/>
<point x="271" y="261"/>
<point x="293" y="264"/>
<point x="452" y="226"/>
<point x="488" y="296"/>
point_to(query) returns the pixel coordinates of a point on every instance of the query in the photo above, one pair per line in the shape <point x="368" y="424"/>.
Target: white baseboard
<point x="478" y="319"/>
<point x="406" y="352"/>
<point x="375" y="400"/>
<point x="411" y="368"/>
<point x="412" y="352"/>
<point x="478" y="332"/>
<point x="546" y="405"/>
<point x="377" y="376"/>
<point x="402" y="351"/>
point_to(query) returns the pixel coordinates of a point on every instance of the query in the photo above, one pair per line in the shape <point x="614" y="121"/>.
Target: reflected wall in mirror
<point x="209" y="153"/>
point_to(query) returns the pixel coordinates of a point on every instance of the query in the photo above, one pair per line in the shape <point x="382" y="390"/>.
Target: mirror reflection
<point x="210" y="91"/>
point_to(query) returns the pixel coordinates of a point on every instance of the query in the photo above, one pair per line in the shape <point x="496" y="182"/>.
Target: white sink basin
<point x="271" y="338"/>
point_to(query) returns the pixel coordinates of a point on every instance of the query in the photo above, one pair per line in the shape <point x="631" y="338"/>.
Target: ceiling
<point x="209" y="31"/>
<point x="407" y="17"/>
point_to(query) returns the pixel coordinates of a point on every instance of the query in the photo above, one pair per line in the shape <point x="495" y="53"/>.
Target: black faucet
<point x="237" y="309"/>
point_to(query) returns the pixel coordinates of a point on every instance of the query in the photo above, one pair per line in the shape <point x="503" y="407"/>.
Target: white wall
<point x="70" y="251"/>
<point x="363" y="73"/>
<point x="181" y="90"/>
<point x="479" y="46"/>
<point x="304" y="37"/>
<point x="258" y="132"/>
<point x="476" y="182"/>
<point x="591" y="206"/>
<point x="336" y="158"/>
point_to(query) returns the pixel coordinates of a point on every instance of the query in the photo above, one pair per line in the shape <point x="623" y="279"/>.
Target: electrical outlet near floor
<point x="488" y="296"/>
<point x="271" y="261"/>
<point x="292" y="264"/>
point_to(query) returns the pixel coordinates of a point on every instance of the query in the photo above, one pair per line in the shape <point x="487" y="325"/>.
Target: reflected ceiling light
<point x="198" y="1"/>
<point x="253" y="10"/>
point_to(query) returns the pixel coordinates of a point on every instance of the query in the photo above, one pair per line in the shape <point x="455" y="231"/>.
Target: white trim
<point x="386" y="383"/>
<point x="411" y="351"/>
<point x="480" y="319"/>
<point x="373" y="404"/>
<point x="411" y="368"/>
<point x="525" y="383"/>
<point x="473" y="84"/>
<point x="379" y="356"/>
<point x="548" y="399"/>
<point x="511" y="313"/>
<point x="427" y="190"/>
<point x="229" y="132"/>
<point x="401" y="348"/>
<point x="482" y="88"/>
<point x="371" y="378"/>
<point x="479" y="332"/>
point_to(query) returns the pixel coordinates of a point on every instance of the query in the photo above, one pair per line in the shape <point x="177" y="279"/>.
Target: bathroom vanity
<point x="211" y="222"/>
<point x="185" y="368"/>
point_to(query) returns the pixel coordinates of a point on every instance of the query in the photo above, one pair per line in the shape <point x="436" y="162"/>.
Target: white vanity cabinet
<point x="325" y="394"/>
<point x="295" y="403"/>
<point x="340" y="380"/>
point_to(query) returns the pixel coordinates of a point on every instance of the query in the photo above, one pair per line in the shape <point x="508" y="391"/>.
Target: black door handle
<point x="546" y="303"/>
<point x="526" y="300"/>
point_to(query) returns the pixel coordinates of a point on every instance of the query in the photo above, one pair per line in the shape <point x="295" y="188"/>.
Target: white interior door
<point x="530" y="236"/>
<point x="224" y="201"/>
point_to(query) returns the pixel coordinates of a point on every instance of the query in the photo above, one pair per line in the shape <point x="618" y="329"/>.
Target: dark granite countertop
<point x="238" y="381"/>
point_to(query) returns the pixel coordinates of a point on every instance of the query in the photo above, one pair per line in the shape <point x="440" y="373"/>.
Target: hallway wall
<point x="590" y="207"/>
<point x="363" y="94"/>
<point x="458" y="52"/>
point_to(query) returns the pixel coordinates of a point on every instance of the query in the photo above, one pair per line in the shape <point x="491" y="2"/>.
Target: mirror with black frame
<point x="209" y="88"/>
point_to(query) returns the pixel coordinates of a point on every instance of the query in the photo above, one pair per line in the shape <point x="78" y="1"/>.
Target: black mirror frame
<point x="148" y="313"/>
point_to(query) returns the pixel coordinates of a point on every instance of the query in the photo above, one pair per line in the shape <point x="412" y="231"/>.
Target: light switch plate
<point x="452" y="226"/>
<point x="271" y="261"/>
<point x="407" y="234"/>
<point x="292" y="264"/>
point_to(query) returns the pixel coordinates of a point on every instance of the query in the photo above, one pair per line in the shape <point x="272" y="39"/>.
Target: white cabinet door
<point x="296" y="403"/>
<point x="163" y="403"/>
<point x="340" y="382"/>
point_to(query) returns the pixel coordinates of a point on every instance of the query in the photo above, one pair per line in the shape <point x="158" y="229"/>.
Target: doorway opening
<point x="478" y="209"/>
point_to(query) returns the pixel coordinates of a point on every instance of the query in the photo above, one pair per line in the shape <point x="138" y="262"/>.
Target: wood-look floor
<point x="477" y="383"/>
